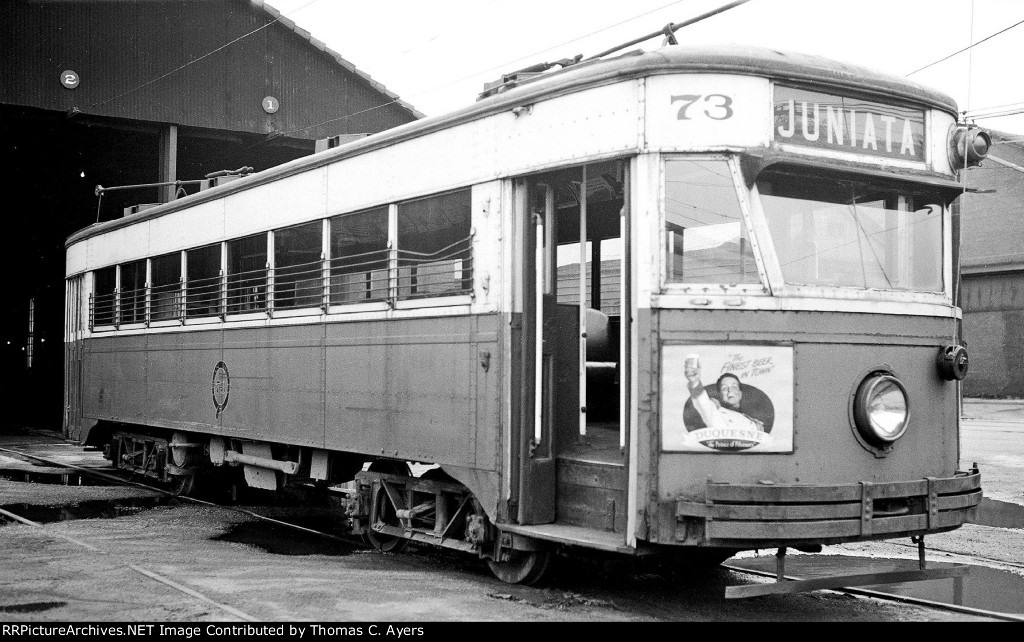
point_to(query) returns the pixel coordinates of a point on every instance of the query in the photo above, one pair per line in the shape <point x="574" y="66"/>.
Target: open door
<point x="73" y="346"/>
<point x="549" y="376"/>
<point x="573" y="335"/>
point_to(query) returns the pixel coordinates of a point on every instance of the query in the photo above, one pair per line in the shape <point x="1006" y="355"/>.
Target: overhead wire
<point x="971" y="46"/>
<point x="510" y="63"/>
<point x="195" y="60"/>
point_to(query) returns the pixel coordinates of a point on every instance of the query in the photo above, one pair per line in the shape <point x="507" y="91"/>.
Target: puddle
<point x="983" y="588"/>
<point x="281" y="540"/>
<point x="45" y="476"/>
<point x="993" y="512"/>
<point x="31" y="607"/>
<point x="97" y="509"/>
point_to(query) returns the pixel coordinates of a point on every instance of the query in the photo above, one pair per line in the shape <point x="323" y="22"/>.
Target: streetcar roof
<point x="786" y="67"/>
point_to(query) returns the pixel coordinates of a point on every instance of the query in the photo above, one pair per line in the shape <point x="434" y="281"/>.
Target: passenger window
<point x="165" y="287"/>
<point x="359" y="257"/>
<point x="104" y="298"/>
<point x="247" y="274"/>
<point x="435" y="246"/>
<point x="707" y="240"/>
<point x="202" y="294"/>
<point x="133" y="292"/>
<point x="298" y="277"/>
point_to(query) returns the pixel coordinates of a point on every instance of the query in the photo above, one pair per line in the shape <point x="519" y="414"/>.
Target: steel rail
<point x="892" y="597"/>
<point x="134" y="567"/>
<point x="848" y="590"/>
<point x="126" y="482"/>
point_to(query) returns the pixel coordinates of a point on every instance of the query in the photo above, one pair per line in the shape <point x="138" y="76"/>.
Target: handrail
<point x="384" y="275"/>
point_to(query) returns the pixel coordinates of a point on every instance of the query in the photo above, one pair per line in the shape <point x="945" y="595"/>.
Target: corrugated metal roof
<point x="305" y="35"/>
<point x="195" y="63"/>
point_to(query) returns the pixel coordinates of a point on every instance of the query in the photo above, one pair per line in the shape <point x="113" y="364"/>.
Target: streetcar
<point x="686" y="302"/>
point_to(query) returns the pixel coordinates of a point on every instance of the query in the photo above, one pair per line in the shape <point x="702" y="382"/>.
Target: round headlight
<point x="881" y="409"/>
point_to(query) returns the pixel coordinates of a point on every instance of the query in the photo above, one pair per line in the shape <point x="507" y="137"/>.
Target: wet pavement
<point x="993" y="436"/>
<point x="983" y="588"/>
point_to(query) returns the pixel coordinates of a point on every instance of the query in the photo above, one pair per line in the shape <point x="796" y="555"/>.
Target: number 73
<point x="719" y="105"/>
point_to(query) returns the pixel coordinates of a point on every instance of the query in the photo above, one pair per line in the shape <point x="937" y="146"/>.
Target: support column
<point x="168" y="151"/>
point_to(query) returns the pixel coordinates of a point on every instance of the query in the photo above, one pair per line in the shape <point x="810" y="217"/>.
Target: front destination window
<point x="841" y="232"/>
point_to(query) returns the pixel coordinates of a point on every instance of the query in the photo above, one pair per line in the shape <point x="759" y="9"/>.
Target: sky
<point x="437" y="54"/>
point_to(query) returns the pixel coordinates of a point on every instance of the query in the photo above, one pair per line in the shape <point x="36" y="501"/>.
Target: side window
<point x="707" y="241"/>
<point x="133" y="292"/>
<point x="165" y="287"/>
<point x="435" y="246"/>
<point x="247" y="274"/>
<point x="359" y="257"/>
<point x="202" y="294"/>
<point x="104" y="298"/>
<point x="298" y="280"/>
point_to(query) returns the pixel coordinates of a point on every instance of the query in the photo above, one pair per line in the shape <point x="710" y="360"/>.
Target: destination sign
<point x="813" y="119"/>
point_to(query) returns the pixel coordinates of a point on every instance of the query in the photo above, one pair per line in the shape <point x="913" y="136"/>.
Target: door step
<point x="592" y="495"/>
<point x="574" y="535"/>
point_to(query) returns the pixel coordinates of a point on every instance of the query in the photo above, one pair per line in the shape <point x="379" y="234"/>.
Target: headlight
<point x="881" y="409"/>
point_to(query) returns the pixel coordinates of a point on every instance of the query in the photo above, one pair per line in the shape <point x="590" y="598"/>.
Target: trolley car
<point x="696" y="300"/>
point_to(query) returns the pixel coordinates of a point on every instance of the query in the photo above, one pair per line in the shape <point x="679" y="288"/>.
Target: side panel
<point x="425" y="390"/>
<point x="179" y="380"/>
<point x="419" y="389"/>
<point x="408" y="389"/>
<point x="832" y="354"/>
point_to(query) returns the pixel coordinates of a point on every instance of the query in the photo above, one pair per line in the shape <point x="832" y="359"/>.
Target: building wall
<point x="992" y="294"/>
<point x="994" y="331"/>
<point x="145" y="61"/>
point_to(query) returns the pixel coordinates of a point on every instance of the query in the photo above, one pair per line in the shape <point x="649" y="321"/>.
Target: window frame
<point x="219" y="315"/>
<point x="782" y="289"/>
<point x="666" y="287"/>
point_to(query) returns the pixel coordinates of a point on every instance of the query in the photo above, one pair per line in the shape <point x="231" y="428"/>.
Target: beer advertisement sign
<point x="733" y="398"/>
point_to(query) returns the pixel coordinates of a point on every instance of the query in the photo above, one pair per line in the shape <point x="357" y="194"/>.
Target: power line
<point x="965" y="48"/>
<point x="195" y="60"/>
<point x="516" y="60"/>
<point x="669" y="30"/>
<point x="980" y="109"/>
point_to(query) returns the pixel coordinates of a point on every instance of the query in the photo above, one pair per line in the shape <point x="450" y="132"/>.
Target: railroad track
<point x="114" y="479"/>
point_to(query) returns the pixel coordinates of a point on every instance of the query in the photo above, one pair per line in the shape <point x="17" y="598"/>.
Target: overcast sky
<point x="437" y="54"/>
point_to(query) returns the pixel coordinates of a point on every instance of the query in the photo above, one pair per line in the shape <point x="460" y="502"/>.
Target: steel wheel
<point x="522" y="567"/>
<point x="182" y="485"/>
<point x="385" y="511"/>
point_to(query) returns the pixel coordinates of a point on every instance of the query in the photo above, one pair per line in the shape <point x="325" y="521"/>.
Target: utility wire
<point x="670" y="29"/>
<point x="195" y="60"/>
<point x="965" y="49"/>
<point x="520" y="59"/>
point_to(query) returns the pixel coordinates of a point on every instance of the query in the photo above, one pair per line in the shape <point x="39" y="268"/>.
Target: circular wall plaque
<point x="221" y="386"/>
<point x="69" y="78"/>
<point x="270" y="104"/>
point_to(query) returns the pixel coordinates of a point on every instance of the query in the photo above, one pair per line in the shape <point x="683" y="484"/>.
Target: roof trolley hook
<point x="670" y="34"/>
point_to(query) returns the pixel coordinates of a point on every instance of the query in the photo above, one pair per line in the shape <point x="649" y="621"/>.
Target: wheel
<point x="437" y="474"/>
<point x="182" y="485"/>
<point x="385" y="510"/>
<point x="522" y="567"/>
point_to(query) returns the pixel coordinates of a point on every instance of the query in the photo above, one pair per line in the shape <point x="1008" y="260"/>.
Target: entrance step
<point x="591" y="494"/>
<point x="574" y="535"/>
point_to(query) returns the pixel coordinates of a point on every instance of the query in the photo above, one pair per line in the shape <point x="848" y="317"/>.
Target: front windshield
<point x="839" y="232"/>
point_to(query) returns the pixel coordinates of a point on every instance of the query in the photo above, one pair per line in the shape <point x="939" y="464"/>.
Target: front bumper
<point x="763" y="516"/>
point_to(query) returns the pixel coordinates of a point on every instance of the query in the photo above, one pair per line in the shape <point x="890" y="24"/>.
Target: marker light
<point x="881" y="409"/>
<point x="968" y="147"/>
